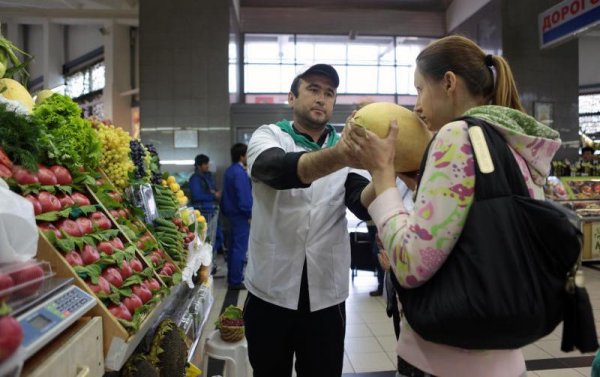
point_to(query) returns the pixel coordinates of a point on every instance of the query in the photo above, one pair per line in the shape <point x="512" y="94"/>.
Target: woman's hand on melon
<point x="375" y="153"/>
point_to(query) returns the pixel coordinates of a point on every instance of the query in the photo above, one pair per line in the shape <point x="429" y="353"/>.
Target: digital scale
<point x="50" y="315"/>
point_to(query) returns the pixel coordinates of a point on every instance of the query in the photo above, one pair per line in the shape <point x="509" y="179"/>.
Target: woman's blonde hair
<point x="467" y="60"/>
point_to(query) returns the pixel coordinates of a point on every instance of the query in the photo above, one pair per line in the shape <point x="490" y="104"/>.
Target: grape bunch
<point x="156" y="176"/>
<point x="115" y="159"/>
<point x="138" y="156"/>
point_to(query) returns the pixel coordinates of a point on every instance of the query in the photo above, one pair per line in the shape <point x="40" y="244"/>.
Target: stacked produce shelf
<point x="74" y="172"/>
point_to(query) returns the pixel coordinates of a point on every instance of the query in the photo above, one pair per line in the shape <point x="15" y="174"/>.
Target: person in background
<point x="236" y="205"/>
<point x="299" y="254"/>
<point x="587" y="154"/>
<point x="204" y="194"/>
<point x="454" y="77"/>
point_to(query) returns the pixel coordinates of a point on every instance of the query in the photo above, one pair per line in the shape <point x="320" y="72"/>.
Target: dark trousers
<point x="275" y="334"/>
<point x="375" y="250"/>
<point x="238" y="247"/>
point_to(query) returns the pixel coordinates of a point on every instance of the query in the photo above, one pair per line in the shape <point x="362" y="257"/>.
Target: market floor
<point x="370" y="340"/>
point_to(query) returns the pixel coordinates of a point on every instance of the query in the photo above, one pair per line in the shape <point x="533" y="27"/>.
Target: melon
<point x="12" y="90"/>
<point x="43" y="95"/>
<point x="413" y="136"/>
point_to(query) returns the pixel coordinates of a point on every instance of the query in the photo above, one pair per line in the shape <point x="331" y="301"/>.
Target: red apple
<point x="46" y="176"/>
<point x="49" y="202"/>
<point x="85" y="224"/>
<point x="120" y="311"/>
<point x="5" y="172"/>
<point x="102" y="286"/>
<point x="37" y="207"/>
<point x="155" y="259"/>
<point x="101" y="220"/>
<point x="142" y="292"/>
<point x="80" y="199"/>
<point x="6" y="282"/>
<point x="47" y="227"/>
<point x="29" y="273"/>
<point x="70" y="227"/>
<point x="152" y="284"/>
<point x="105" y="247"/>
<point x="24" y="176"/>
<point x="136" y="265"/>
<point x="74" y="258"/>
<point x="116" y="196"/>
<point x="166" y="270"/>
<point x="65" y="200"/>
<point x="63" y="177"/>
<point x="113" y="276"/>
<point x="89" y="254"/>
<point x="132" y="302"/>
<point x="11" y="336"/>
<point x="114" y="213"/>
<point x="126" y="270"/>
<point x="117" y="243"/>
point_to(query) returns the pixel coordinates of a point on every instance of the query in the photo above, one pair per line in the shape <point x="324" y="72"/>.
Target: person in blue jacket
<point x="204" y="194"/>
<point x="236" y="205"/>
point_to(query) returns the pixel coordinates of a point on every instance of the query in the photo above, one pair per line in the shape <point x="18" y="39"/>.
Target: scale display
<point x="45" y="321"/>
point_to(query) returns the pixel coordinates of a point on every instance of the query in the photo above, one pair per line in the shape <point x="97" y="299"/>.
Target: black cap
<point x="325" y="70"/>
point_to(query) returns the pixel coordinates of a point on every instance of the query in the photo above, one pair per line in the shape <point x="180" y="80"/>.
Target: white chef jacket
<point x="289" y="226"/>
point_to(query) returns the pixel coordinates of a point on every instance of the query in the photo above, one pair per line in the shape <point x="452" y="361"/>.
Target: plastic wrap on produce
<point x="199" y="254"/>
<point x="18" y="231"/>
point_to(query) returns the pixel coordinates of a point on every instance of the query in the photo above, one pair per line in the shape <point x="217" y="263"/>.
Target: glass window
<point x="589" y="103"/>
<point x="88" y="80"/>
<point x="377" y="65"/>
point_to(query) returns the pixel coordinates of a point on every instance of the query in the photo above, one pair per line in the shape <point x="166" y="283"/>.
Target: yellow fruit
<point x="197" y="213"/>
<point x="174" y="187"/>
<point x="14" y="91"/>
<point x="43" y="95"/>
<point x="201" y="219"/>
<point x="163" y="183"/>
<point x="182" y="200"/>
<point x="413" y="136"/>
<point x="179" y="193"/>
<point x="171" y="179"/>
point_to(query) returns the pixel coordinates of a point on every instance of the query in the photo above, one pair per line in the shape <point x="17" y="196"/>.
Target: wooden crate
<point x="75" y="352"/>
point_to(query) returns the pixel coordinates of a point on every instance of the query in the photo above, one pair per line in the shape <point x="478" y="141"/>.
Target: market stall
<point x="106" y="249"/>
<point x="582" y="194"/>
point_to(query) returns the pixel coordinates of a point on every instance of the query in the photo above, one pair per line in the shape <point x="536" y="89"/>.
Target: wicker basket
<point x="231" y="333"/>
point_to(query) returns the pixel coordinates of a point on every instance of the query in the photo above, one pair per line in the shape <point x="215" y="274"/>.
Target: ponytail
<point x="505" y="88"/>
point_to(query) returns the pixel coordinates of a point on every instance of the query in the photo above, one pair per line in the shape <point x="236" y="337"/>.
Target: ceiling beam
<point x="91" y="14"/>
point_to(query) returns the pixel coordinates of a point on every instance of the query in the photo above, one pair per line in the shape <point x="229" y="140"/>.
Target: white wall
<point x="589" y="56"/>
<point x="83" y="39"/>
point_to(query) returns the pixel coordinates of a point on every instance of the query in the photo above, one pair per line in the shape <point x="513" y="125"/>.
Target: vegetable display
<point x="73" y="143"/>
<point x="21" y="136"/>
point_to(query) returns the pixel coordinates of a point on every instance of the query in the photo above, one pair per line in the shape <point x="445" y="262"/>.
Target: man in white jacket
<point x="299" y="252"/>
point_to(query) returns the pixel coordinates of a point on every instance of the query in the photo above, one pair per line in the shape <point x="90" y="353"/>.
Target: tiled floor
<point x="371" y="343"/>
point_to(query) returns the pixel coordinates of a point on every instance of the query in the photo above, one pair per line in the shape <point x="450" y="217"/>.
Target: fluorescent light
<point x="177" y="162"/>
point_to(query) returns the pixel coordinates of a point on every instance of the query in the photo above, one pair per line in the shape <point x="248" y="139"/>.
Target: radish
<point x="152" y="284"/>
<point x="105" y="247"/>
<point x="63" y="177"/>
<point x="142" y="292"/>
<point x="113" y="276"/>
<point x="46" y="176"/>
<point x="74" y="258"/>
<point x="102" y="286"/>
<point x="136" y="265"/>
<point x="132" y="302"/>
<point x="120" y="311"/>
<point x="89" y="254"/>
<point x="11" y="336"/>
<point x="125" y="270"/>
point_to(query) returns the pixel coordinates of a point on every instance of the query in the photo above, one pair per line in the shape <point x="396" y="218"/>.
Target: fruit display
<point x="141" y="161"/>
<point x="413" y="136"/>
<point x="156" y="176"/>
<point x="172" y="185"/>
<point x="115" y="161"/>
<point x="22" y="281"/>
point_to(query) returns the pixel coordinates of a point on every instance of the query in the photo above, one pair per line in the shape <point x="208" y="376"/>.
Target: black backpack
<point x="509" y="280"/>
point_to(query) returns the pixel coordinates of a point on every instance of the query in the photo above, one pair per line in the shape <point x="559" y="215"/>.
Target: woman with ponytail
<point x="454" y="78"/>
